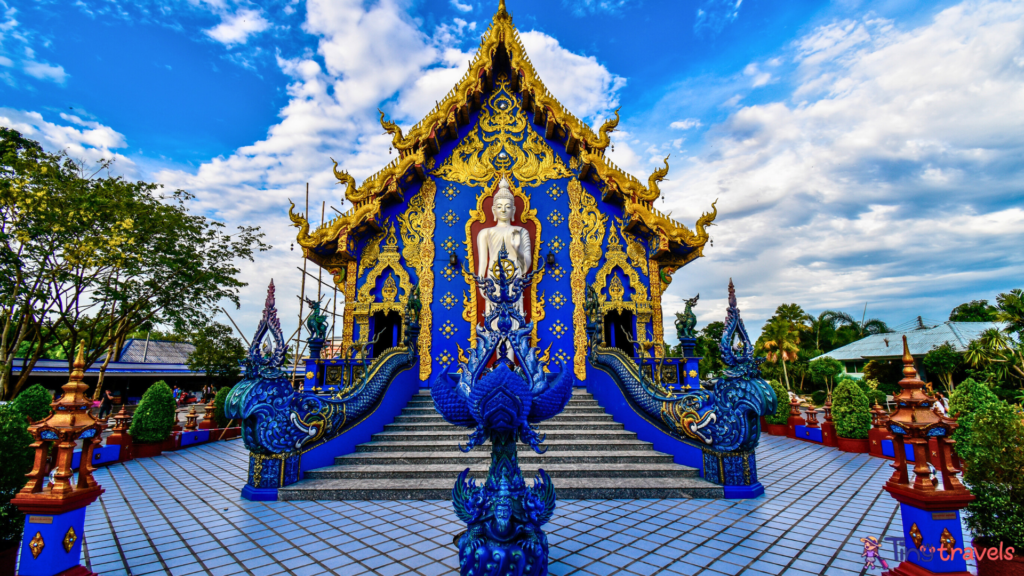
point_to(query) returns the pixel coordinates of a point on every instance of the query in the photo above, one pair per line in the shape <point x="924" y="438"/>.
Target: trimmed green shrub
<point x="871" y="391"/>
<point x="781" y="414"/>
<point x="154" y="417"/>
<point x="17" y="459"/>
<point x="965" y="402"/>
<point x="218" y="403"/>
<point x="995" y="473"/>
<point x="818" y="397"/>
<point x="850" y="410"/>
<point x="34" y="402"/>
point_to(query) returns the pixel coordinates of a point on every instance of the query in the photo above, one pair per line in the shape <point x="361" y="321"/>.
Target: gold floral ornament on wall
<point x="556" y="271"/>
<point x="448" y="329"/>
<point x="451" y="218"/>
<point x="555" y="192"/>
<point x="445" y="359"/>
<point x="556" y="244"/>
<point x="558" y="328"/>
<point x="505" y="142"/>
<point x="556" y="218"/>
<point x="557" y="300"/>
<point x="450" y="192"/>
<point x="448" y="301"/>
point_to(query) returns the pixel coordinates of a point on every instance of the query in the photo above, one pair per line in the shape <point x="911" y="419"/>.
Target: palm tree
<point x="862" y="328"/>
<point x="781" y="342"/>
<point x="1010" y="307"/>
<point x="824" y="326"/>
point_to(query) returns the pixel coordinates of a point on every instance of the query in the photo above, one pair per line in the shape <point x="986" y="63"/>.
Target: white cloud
<point x="91" y="142"/>
<point x="461" y="7"/>
<point x="44" y="71"/>
<point x="238" y="27"/>
<point x="685" y="124"/>
<point x="372" y="55"/>
<point x="582" y="84"/>
<point x="584" y="7"/>
<point x="893" y="176"/>
<point x="714" y="15"/>
<point x="759" y="77"/>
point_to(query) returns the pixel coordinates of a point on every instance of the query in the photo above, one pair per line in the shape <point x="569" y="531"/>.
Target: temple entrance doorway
<point x="387" y="328"/>
<point x="618" y="330"/>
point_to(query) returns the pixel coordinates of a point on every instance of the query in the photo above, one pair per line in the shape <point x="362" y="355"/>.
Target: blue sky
<point x="861" y="152"/>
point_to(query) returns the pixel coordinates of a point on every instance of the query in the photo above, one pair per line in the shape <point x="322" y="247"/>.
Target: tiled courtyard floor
<point x="181" y="514"/>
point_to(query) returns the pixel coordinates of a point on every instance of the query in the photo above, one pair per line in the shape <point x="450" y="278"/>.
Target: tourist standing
<point x="106" y="404"/>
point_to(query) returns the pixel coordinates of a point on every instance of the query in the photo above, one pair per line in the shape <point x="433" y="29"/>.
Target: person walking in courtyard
<point x="106" y="404"/>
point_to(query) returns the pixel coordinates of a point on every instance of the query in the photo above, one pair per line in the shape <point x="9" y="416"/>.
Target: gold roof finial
<point x="502" y="13"/>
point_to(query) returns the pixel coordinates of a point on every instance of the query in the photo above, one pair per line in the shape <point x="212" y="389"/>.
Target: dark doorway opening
<point x="386" y="329"/>
<point x="618" y="330"/>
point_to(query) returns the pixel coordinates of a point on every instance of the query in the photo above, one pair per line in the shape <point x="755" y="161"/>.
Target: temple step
<point x="479" y="471"/>
<point x="483" y="455"/>
<point x="459" y="435"/>
<point x="441" y="489"/>
<point x="543" y="427"/>
<point x="563" y="417"/>
<point x="417" y="457"/>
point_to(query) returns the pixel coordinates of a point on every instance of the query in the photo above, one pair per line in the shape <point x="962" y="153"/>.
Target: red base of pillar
<point x="875" y="437"/>
<point x="828" y="434"/>
<point x="911" y="569"/>
<point x="791" y="425"/>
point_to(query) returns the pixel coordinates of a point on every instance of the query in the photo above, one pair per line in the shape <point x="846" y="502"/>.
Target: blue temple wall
<point x="453" y="202"/>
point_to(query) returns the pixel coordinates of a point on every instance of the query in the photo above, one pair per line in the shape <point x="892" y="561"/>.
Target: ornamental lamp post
<point x="930" y="512"/>
<point x="55" y="513"/>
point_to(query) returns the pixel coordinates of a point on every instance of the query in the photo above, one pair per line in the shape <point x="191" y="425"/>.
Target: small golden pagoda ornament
<point x="60" y="505"/>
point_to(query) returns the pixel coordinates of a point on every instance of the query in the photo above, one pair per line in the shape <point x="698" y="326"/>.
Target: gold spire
<point x="502" y="13"/>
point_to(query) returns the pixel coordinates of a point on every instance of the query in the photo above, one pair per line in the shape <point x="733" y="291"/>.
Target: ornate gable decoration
<point x="475" y="159"/>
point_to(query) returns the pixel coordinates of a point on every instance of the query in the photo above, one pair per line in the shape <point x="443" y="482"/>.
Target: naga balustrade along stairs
<point x="589" y="456"/>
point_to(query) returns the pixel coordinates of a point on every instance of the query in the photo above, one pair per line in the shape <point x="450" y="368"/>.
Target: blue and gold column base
<point x="52" y="543"/>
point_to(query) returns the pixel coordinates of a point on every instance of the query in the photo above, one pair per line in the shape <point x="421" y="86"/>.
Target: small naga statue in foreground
<point x="502" y="390"/>
<point x="686" y="321"/>
<point x="316" y="322"/>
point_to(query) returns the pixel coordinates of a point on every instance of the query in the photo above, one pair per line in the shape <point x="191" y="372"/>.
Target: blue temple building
<point x="500" y="167"/>
<point x="418" y="221"/>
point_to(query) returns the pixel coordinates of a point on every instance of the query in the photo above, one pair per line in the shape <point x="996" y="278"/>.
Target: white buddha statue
<point x="515" y="238"/>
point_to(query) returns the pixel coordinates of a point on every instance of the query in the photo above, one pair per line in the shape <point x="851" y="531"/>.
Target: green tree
<point x="34" y="402"/>
<point x="965" y="402"/>
<point x="155" y="415"/>
<point x="781" y="414"/>
<point x="1011" y="311"/>
<point x="17" y="459"/>
<point x="219" y="417"/>
<point x="707" y="348"/>
<point x="888" y="373"/>
<point x="824" y="329"/>
<point x="996" y="354"/>
<point x="973" y="311"/>
<point x="850" y="410"/>
<point x="995" y="473"/>
<point x="825" y="370"/>
<point x="850" y="330"/>
<point x="794" y="314"/>
<point x="780" y="342"/>
<point x="93" y="259"/>
<point x="943" y="361"/>
<point x="217" y="353"/>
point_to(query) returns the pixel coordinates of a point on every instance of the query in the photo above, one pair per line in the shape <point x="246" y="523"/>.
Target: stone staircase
<point x="589" y="456"/>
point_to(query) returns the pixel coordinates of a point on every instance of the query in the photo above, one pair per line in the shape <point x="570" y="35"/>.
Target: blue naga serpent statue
<point x="502" y="400"/>
<point x="278" y="421"/>
<point x="723" y="415"/>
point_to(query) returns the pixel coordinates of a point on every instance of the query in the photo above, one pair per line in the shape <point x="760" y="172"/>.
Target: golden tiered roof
<point x="677" y="244"/>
